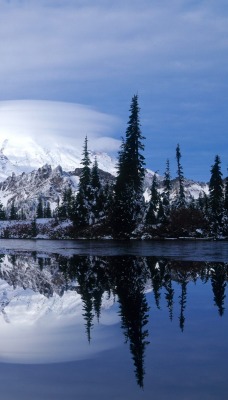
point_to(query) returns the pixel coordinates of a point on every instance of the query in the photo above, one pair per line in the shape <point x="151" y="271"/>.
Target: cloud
<point x="57" y="122"/>
<point x="100" y="54"/>
<point x="88" y="40"/>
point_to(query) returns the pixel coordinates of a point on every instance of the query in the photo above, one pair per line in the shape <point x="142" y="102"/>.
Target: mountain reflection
<point x="129" y="281"/>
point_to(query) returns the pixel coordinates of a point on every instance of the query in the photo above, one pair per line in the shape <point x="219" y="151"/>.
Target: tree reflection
<point x="218" y="282"/>
<point x="127" y="279"/>
<point x="130" y="276"/>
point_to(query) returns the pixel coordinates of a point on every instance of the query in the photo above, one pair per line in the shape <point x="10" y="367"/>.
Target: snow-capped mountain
<point x="34" y="133"/>
<point x="25" y="189"/>
<point x="17" y="159"/>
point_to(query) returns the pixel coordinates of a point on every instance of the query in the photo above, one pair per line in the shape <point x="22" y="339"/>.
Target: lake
<point x="113" y="319"/>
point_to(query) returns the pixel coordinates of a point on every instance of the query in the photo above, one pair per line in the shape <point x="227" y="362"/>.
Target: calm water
<point x="97" y="320"/>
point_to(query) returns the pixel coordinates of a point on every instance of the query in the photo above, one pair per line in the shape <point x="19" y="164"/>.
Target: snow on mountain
<point x="19" y="159"/>
<point x="34" y="133"/>
<point x="25" y="189"/>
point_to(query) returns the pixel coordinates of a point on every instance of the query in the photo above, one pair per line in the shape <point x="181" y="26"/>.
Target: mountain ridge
<point x="23" y="183"/>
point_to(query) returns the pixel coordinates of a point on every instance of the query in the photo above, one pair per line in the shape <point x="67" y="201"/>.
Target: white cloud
<point x="90" y="40"/>
<point x="56" y="122"/>
<point x="101" y="53"/>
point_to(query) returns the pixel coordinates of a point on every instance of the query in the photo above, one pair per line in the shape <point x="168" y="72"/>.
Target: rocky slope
<point x="33" y="171"/>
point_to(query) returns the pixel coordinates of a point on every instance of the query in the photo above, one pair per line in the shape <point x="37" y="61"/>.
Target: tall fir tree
<point x="128" y="202"/>
<point x="13" y="211"/>
<point x="64" y="210"/>
<point x="216" y="196"/>
<point x="95" y="178"/>
<point x="85" y="176"/>
<point x="47" y="210"/>
<point x="2" y="212"/>
<point x="97" y="200"/>
<point x="167" y="189"/>
<point x="218" y="282"/>
<point x="180" y="176"/>
<point x="40" y="208"/>
<point x="81" y="211"/>
<point x="151" y="216"/>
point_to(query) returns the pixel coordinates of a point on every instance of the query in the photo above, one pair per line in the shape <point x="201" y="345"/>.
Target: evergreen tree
<point x="225" y="219"/>
<point x="81" y="213"/>
<point x="169" y="295"/>
<point x="97" y="200"/>
<point x="216" y="196"/>
<point x="167" y="189"/>
<point x="34" y="228"/>
<point x="151" y="217"/>
<point x="226" y="196"/>
<point x="23" y="215"/>
<point x="2" y="212"/>
<point x="218" y="281"/>
<point x="48" y="210"/>
<point x="85" y="176"/>
<point x="95" y="179"/>
<point x="65" y="209"/>
<point x="40" y="209"/>
<point x="107" y="201"/>
<point x="131" y="276"/>
<point x="183" y="300"/>
<point x="128" y="202"/>
<point x="180" y="176"/>
<point x="13" y="212"/>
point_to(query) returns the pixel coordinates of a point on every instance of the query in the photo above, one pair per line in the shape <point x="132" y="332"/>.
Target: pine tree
<point x="151" y="216"/>
<point x="48" y="210"/>
<point x="2" y="212"/>
<point x="226" y="196"/>
<point x="34" y="228"/>
<point x="128" y="202"/>
<point x="216" y="196"/>
<point x="65" y="209"/>
<point x="97" y="200"/>
<point x="95" y="179"/>
<point x="81" y="213"/>
<point x="85" y="176"/>
<point x="180" y="176"/>
<point x="13" y="212"/>
<point x="167" y="189"/>
<point x="40" y="209"/>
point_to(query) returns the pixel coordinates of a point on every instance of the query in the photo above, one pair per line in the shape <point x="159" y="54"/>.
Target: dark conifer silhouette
<point x="129" y="201"/>
<point x="40" y="208"/>
<point x="130" y="284"/>
<point x="216" y="196"/>
<point x="218" y="281"/>
<point x="153" y="207"/>
<point x="180" y="176"/>
<point x="81" y="213"/>
<point x="167" y="189"/>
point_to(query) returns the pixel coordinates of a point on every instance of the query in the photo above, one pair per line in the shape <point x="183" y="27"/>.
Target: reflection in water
<point x="126" y="280"/>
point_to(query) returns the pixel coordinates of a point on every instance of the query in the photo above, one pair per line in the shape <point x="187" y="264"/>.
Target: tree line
<point x="119" y="209"/>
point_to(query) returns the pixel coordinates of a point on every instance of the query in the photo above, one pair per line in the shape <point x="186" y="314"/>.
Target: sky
<point x="95" y="55"/>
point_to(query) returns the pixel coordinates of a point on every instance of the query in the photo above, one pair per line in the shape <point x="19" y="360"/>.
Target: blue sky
<point x="174" y="54"/>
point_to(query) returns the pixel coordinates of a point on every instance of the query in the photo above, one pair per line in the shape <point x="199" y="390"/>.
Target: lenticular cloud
<point x="50" y="123"/>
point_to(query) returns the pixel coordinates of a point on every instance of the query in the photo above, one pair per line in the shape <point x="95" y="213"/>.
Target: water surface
<point x="119" y="320"/>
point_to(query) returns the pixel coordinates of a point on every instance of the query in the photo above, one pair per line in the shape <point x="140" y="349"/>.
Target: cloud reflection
<point x="35" y="329"/>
